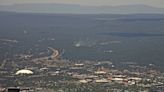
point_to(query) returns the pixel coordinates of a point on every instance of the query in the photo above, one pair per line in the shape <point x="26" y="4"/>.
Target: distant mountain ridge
<point x="80" y="9"/>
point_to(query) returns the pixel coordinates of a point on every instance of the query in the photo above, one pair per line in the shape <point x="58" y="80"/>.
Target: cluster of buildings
<point x="106" y="73"/>
<point x="58" y="75"/>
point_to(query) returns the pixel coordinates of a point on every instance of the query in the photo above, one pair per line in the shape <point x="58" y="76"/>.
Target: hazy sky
<point x="156" y="3"/>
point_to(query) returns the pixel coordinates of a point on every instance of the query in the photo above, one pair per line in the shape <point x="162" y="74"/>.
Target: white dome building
<point x="24" y="71"/>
